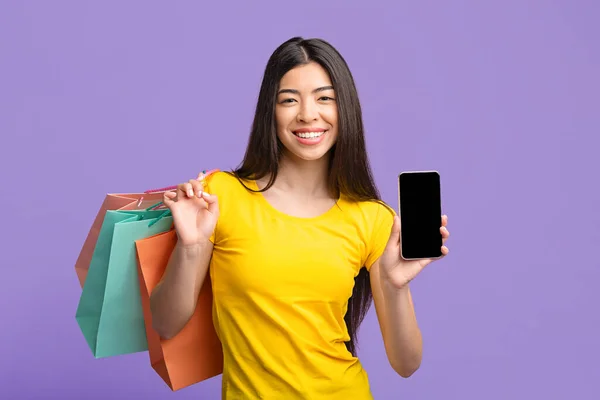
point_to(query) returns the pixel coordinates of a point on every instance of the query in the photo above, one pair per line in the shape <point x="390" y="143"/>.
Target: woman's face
<point x="306" y="112"/>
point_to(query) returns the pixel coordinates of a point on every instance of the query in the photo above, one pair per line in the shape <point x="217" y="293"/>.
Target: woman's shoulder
<point x="219" y="177"/>
<point x="368" y="215"/>
<point x="221" y="182"/>
<point x="372" y="209"/>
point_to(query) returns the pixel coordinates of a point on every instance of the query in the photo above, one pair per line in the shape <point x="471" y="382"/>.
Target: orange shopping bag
<point x="195" y="354"/>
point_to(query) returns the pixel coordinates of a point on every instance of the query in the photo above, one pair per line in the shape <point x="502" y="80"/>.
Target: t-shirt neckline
<point x="273" y="210"/>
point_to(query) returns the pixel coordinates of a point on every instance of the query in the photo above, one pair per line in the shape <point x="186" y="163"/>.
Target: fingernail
<point x="205" y="194"/>
<point x="190" y="193"/>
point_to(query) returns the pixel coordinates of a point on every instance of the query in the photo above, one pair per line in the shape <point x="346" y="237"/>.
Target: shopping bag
<point x="109" y="312"/>
<point x="122" y="201"/>
<point x="125" y="201"/>
<point x="194" y="354"/>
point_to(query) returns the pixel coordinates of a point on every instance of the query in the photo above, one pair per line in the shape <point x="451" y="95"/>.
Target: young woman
<point x="297" y="244"/>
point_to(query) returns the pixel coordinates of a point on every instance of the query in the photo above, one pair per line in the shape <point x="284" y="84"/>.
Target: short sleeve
<point x="211" y="186"/>
<point x="381" y="227"/>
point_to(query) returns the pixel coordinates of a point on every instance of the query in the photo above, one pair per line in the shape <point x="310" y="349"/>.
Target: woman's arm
<point x="398" y="323"/>
<point x="174" y="299"/>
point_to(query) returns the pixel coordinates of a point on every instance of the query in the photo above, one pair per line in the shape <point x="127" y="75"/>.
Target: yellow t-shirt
<point x="281" y="286"/>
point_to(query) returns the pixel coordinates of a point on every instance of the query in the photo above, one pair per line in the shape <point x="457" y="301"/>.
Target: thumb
<point x="394" y="240"/>
<point x="212" y="201"/>
<point x="169" y="199"/>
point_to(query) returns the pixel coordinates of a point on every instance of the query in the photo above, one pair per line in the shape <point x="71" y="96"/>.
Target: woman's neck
<point x="303" y="178"/>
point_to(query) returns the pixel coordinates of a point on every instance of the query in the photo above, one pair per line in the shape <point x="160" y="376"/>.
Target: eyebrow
<point x="294" y="91"/>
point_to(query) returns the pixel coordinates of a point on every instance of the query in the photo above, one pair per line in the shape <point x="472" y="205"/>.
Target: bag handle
<point x="160" y="204"/>
<point x="203" y="176"/>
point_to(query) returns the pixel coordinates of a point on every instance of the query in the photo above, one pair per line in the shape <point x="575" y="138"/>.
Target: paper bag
<point x="126" y="201"/>
<point x="109" y="312"/>
<point x="195" y="354"/>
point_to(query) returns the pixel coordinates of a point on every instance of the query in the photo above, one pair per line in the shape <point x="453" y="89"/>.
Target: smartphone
<point x="419" y="203"/>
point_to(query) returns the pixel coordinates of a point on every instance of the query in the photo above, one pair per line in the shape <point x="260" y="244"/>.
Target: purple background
<point x="501" y="97"/>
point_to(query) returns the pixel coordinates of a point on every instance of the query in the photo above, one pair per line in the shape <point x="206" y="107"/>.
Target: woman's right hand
<point x="194" y="211"/>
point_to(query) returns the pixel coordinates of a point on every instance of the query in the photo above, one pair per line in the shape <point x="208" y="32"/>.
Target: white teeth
<point x="309" y="135"/>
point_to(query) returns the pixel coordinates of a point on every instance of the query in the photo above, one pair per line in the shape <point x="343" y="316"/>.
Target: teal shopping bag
<point x="110" y="313"/>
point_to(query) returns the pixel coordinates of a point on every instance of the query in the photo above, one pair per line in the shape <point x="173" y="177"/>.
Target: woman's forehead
<point x="306" y="77"/>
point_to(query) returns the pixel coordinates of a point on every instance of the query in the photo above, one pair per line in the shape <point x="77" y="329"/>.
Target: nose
<point x="308" y="112"/>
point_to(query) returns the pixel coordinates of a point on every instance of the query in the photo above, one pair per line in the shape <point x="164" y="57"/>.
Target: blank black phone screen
<point x="420" y="214"/>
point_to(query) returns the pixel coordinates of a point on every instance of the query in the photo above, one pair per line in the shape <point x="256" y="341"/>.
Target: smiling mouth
<point x="310" y="135"/>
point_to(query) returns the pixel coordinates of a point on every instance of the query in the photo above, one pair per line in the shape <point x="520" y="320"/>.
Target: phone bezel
<point x="400" y="210"/>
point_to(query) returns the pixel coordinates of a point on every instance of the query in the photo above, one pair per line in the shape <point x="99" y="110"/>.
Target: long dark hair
<point x="350" y="172"/>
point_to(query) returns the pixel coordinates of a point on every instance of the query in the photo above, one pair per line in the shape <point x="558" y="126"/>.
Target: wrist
<point x="192" y="250"/>
<point x="392" y="288"/>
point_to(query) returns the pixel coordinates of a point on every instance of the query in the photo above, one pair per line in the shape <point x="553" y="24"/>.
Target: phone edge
<point x="400" y="210"/>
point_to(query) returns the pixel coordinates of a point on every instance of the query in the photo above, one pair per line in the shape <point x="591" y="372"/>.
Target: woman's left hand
<point x="397" y="271"/>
